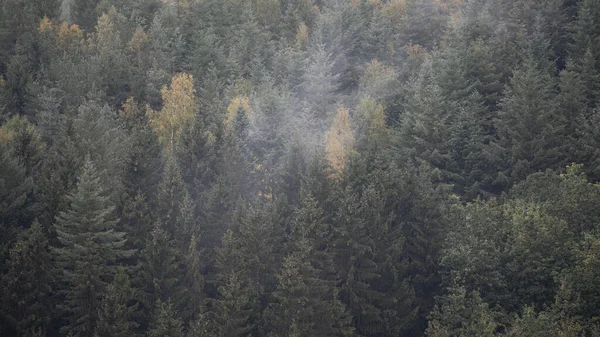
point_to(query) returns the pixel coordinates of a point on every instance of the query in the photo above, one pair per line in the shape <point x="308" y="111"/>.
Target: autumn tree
<point x="179" y="108"/>
<point x="339" y="140"/>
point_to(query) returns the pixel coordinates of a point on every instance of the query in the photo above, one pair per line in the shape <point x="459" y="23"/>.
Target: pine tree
<point x="319" y="82"/>
<point x="26" y="285"/>
<point x="89" y="250"/>
<point x="16" y="192"/>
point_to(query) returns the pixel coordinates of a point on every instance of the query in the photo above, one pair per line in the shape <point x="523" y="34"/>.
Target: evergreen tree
<point x="461" y="314"/>
<point x="306" y="300"/>
<point x="83" y="13"/>
<point x="233" y="306"/>
<point x="164" y="321"/>
<point x="115" y="312"/>
<point x="192" y="297"/>
<point x="527" y="125"/>
<point x="160" y="269"/>
<point x="26" y="285"/>
<point x="89" y="250"/>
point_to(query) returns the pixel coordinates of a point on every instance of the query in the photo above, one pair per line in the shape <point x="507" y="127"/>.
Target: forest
<point x="299" y="168"/>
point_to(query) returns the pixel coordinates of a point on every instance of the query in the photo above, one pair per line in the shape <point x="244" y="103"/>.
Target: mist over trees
<point x="299" y="168"/>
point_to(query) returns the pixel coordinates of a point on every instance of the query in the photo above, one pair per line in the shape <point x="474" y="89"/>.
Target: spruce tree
<point x="529" y="130"/>
<point x="306" y="301"/>
<point x="159" y="270"/>
<point x="89" y="251"/>
<point x="236" y="298"/>
<point x="164" y="321"/>
<point x="115" y="317"/>
<point x="192" y="295"/>
<point x="26" y="285"/>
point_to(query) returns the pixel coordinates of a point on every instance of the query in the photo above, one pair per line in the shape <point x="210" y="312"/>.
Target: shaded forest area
<point x="299" y="168"/>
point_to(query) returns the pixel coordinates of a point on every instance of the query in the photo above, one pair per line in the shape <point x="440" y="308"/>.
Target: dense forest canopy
<point x="299" y="168"/>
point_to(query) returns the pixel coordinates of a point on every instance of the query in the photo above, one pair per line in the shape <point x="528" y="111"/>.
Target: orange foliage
<point x="376" y="3"/>
<point x="65" y="34"/>
<point x="302" y="35"/>
<point x="394" y="10"/>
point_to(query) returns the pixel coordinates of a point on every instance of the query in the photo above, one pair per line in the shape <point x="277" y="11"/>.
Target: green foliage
<point x="461" y="314"/>
<point x="26" y="286"/>
<point x="89" y="250"/>
<point x="219" y="188"/>
<point x="115" y="313"/>
<point x="164" y="321"/>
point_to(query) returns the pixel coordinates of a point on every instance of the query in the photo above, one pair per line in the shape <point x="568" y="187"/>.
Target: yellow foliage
<point x="376" y="70"/>
<point x="376" y="3"/>
<point x="131" y="113"/>
<point x="236" y="103"/>
<point x="179" y="108"/>
<point x="138" y="40"/>
<point x="339" y="140"/>
<point x="415" y="51"/>
<point x="20" y="125"/>
<point x="394" y="10"/>
<point x="46" y="24"/>
<point x="302" y="34"/>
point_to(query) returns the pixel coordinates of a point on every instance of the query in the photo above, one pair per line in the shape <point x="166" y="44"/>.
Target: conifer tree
<point x="16" y="194"/>
<point x="164" y="321"/>
<point x="26" y="285"/>
<point x="192" y="295"/>
<point x="89" y="250"/>
<point x="339" y="141"/>
<point x="233" y="306"/>
<point x="306" y="300"/>
<point x="115" y="317"/>
<point x="461" y="314"/>
<point x="528" y="127"/>
<point x="160" y="268"/>
<point x="171" y="194"/>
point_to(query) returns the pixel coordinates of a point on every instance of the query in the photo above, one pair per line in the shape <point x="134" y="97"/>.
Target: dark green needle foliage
<point x="375" y="168"/>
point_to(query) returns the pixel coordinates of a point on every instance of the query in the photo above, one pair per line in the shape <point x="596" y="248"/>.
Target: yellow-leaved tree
<point x="339" y="140"/>
<point x="238" y="103"/>
<point x="179" y="108"/>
